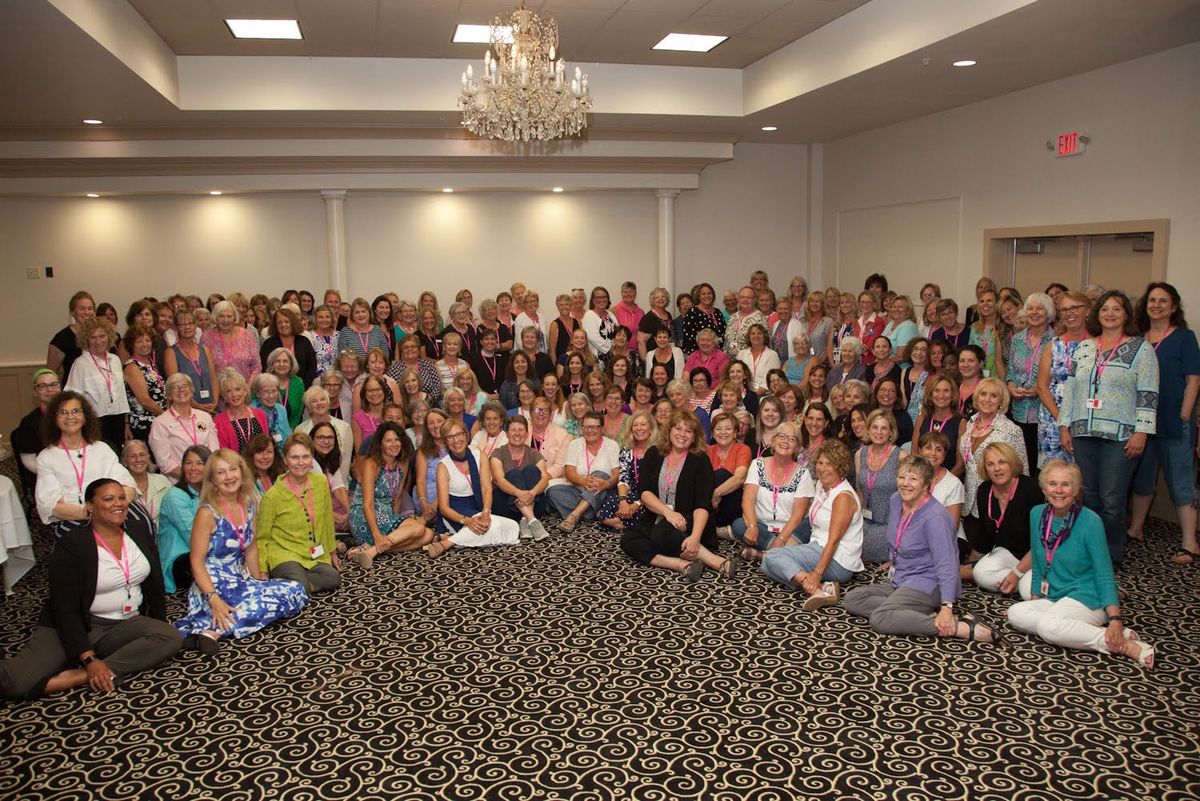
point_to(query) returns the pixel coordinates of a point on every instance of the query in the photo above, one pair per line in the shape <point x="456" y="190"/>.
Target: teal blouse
<point x="1082" y="567"/>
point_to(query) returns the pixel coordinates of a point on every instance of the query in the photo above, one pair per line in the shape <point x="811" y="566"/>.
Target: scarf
<point x="1049" y="539"/>
<point x="779" y="340"/>
<point x="469" y="458"/>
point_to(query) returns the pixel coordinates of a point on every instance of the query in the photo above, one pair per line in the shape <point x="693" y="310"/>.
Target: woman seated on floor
<point x="919" y="598"/>
<point x="105" y="617"/>
<point x="946" y="489"/>
<point x="1004" y="501"/>
<point x="591" y="472"/>
<point x="1074" y="601"/>
<point x="182" y="427"/>
<point x="833" y="553"/>
<point x="150" y="487"/>
<point x="875" y="467"/>
<point x="175" y="520"/>
<point x="230" y="595"/>
<point x="327" y="457"/>
<point x="775" y="499"/>
<point x="519" y="480"/>
<point x="730" y="462"/>
<point x="381" y="518"/>
<point x="464" y="493"/>
<point x="676" y="485"/>
<point x="623" y="510"/>
<point x="295" y="523"/>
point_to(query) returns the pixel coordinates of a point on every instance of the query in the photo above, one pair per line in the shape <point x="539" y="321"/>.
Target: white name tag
<point x="867" y="515"/>
<point x="1045" y="588"/>
<point x="205" y="394"/>
<point x="316" y="551"/>
<point x="1095" y="403"/>
<point x="774" y="528"/>
<point x="986" y="373"/>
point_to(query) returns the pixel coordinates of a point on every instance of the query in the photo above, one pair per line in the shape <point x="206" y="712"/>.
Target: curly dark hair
<point x="91" y="423"/>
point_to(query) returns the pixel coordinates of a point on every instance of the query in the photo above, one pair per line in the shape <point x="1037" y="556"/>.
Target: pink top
<point x="241" y="354"/>
<point x="628" y="316"/>
<point x="366" y="423"/>
<point x="714" y="363"/>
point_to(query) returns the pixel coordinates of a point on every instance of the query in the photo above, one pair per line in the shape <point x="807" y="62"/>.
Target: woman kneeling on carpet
<point x="676" y="485"/>
<point x="833" y="553"/>
<point x="106" y="614"/>
<point x="919" y="599"/>
<point x="230" y="595"/>
<point x="464" y="495"/>
<point x="295" y="523"/>
<point x="1075" y="601"/>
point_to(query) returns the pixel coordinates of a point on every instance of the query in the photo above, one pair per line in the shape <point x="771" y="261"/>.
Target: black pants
<point x="653" y="538"/>
<point x="112" y="431"/>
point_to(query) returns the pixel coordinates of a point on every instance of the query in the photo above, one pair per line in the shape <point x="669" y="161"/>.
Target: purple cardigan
<point x="928" y="555"/>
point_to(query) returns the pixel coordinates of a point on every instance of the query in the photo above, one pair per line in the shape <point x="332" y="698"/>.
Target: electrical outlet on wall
<point x="33" y="273"/>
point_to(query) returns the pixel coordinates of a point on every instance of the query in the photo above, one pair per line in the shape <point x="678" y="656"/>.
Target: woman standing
<point x="1002" y="537"/>
<point x="27" y="436"/>
<point x="833" y="553"/>
<point x="949" y="328"/>
<point x="97" y="376"/>
<point x="986" y="333"/>
<point x="919" y="599"/>
<point x="657" y="318"/>
<point x="179" y="507"/>
<point x="324" y="338"/>
<point x="599" y="322"/>
<point x="901" y="328"/>
<point x="361" y="335"/>
<point x="460" y="326"/>
<point x="700" y="316"/>
<point x="886" y="396"/>
<point x="1160" y="318"/>
<point x="868" y="325"/>
<point x="1057" y="359"/>
<point x="231" y="344"/>
<point x="851" y="365"/>
<point x="675" y="488"/>
<point x="842" y="326"/>
<point x="938" y="413"/>
<point x="529" y="318"/>
<point x="429" y="334"/>
<point x="815" y="324"/>
<point x="194" y="360"/>
<point x="520" y="480"/>
<point x="1024" y="366"/>
<point x="295" y="523"/>
<point x="230" y="595"/>
<point x="145" y="389"/>
<point x="665" y="353"/>
<point x="286" y="333"/>
<point x="379" y="517"/>
<point x="1074" y="602"/>
<point x="914" y="377"/>
<point x="464" y="493"/>
<point x="761" y="359"/>
<point x="64" y="348"/>
<point x="1109" y="408"/>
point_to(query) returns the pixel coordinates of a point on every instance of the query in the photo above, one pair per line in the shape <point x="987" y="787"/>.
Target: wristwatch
<point x="87" y="660"/>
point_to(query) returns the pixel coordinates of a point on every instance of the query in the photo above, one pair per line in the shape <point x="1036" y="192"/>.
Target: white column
<point x="816" y="219"/>
<point x="666" y="239"/>
<point x="335" y="238"/>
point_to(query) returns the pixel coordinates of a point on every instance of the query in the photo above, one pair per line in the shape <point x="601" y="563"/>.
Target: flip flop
<point x="1181" y="554"/>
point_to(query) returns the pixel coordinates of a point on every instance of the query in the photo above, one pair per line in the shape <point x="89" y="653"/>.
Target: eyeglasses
<point x="324" y="438"/>
<point x="591" y="428"/>
<point x="456" y="435"/>
<point x="70" y="412"/>
<point x="540" y="411"/>
<point x="785" y="438"/>
<point x="1072" y="309"/>
<point x="48" y="385"/>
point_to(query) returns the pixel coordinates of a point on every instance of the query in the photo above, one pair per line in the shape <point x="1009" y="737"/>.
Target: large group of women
<point x="245" y="450"/>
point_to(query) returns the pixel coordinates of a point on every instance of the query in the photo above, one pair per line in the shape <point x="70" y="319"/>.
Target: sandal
<point x="1185" y="558"/>
<point x="1145" y="654"/>
<point x="568" y="524"/>
<point x="749" y="555"/>
<point x="694" y="571"/>
<point x="729" y="567"/>
<point x="435" y="549"/>
<point x="360" y="557"/>
<point x="208" y="643"/>
<point x="972" y="622"/>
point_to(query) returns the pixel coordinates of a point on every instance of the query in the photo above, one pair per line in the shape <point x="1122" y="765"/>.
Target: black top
<point x="749" y="401"/>
<point x="489" y="370"/>
<point x="504" y="334"/>
<point x="950" y="429"/>
<point x="65" y="341"/>
<point x="696" y="321"/>
<point x="564" y="336"/>
<point x="1013" y="534"/>
<point x="694" y="491"/>
<point x="27" y="438"/>
<point x="541" y="366"/>
<point x="651" y="324"/>
<point x="73" y="567"/>
<point x="306" y="357"/>
<point x="432" y="346"/>
<point x="470" y="340"/>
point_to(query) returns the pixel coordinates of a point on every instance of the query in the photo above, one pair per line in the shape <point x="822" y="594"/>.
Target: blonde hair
<point x="887" y="417"/>
<point x="997" y="385"/>
<point x="1006" y="453"/>
<point x="209" y="494"/>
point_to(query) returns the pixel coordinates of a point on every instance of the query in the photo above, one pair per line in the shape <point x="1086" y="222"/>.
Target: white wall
<point x="121" y="249"/>
<point x="991" y="157"/>
<point x="750" y="213"/>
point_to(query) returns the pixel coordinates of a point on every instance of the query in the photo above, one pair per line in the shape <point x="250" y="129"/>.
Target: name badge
<point x="867" y="514"/>
<point x="316" y="551"/>
<point x="127" y="608"/>
<point x="986" y="373"/>
<point x="812" y="351"/>
<point x="205" y="394"/>
<point x="774" y="528"/>
<point x="1095" y="403"/>
<point x="837" y="355"/>
<point x="277" y="436"/>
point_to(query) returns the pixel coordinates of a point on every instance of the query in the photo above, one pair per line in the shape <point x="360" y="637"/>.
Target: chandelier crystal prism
<point x="524" y="92"/>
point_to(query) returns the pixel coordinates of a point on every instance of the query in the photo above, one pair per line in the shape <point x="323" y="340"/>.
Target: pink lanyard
<point x="636" y="460"/>
<point x="812" y="326"/>
<point x="489" y="444"/>
<point x="589" y="457"/>
<point x="811" y="449"/>
<point x="1164" y="336"/>
<point x="79" y="474"/>
<point x="905" y="522"/>
<point x="987" y="342"/>
<point x="870" y="479"/>
<point x="152" y="367"/>
<point x="491" y="368"/>
<point x="122" y="561"/>
<point x="935" y="425"/>
<point x="962" y="402"/>
<point x="392" y="486"/>
<point x="1102" y="363"/>
<point x="775" y="484"/>
<point x="518" y="462"/>
<point x="671" y="477"/>
<point x="816" y="507"/>
<point x="1059" y="541"/>
<point x="238" y="427"/>
<point x="238" y="531"/>
<point x="300" y="497"/>
<point x="999" y="521"/>
<point x="363" y="339"/>
<point x="1034" y="355"/>
<point x="193" y="435"/>
<point x="754" y="360"/>
<point x="105" y="372"/>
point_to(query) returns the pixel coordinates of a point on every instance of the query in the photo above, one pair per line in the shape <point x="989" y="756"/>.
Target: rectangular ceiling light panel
<point x="690" y="42"/>
<point x="264" y="28"/>
<point x="480" y="34"/>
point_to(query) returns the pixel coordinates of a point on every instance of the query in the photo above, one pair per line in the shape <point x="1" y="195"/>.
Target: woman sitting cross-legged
<point x="730" y="462"/>
<point x="106" y="614"/>
<point x="380" y="514"/>
<point x="175" y="519"/>
<point x="776" y="498"/>
<point x="464" y="495"/>
<point x="230" y="595"/>
<point x="623" y="510"/>
<point x="833" y="553"/>
<point x="919" y="599"/>
<point x="1074" y="602"/>
<point x="591" y="474"/>
<point x="520" y="480"/>
<point x="295" y="523"/>
<point x="675" y="487"/>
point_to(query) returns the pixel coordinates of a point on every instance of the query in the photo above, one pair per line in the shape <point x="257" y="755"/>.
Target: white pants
<point x="1064" y="622"/>
<point x="502" y="532"/>
<point x="994" y="567"/>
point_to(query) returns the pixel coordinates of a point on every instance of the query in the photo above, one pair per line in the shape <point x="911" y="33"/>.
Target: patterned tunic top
<point x="1049" y="441"/>
<point x="140" y="417"/>
<point x="695" y="321"/>
<point x="240" y="351"/>
<point x="1024" y="362"/>
<point x="1122" y="381"/>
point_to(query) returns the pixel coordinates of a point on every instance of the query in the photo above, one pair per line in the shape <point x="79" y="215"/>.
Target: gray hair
<point x="228" y="378"/>
<point x="1043" y="300"/>
<point x="854" y="343"/>
<point x="257" y="382"/>
<point x="176" y="379"/>
<point x="312" y="393"/>
<point x="275" y="354"/>
<point x="225" y="306"/>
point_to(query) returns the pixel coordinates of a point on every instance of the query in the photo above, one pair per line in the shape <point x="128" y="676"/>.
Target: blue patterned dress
<point x="387" y="485"/>
<point x="1049" y="443"/>
<point x="629" y="476"/>
<point x="255" y="603"/>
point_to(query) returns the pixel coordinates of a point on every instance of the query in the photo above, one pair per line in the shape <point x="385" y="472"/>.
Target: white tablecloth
<point x="16" y="545"/>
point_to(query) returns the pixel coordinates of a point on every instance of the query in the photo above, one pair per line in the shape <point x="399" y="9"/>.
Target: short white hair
<point x="1043" y="300"/>
<point x="854" y="343"/>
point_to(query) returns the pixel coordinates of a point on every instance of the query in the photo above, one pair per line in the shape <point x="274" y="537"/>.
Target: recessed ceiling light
<point x="966" y="62"/>
<point x="480" y="34"/>
<point x="769" y="128"/>
<point x="264" y="28"/>
<point x="215" y="192"/>
<point x="448" y="190"/>
<point x="93" y="122"/>
<point x="558" y="189"/>
<point x="92" y="194"/>
<point x="690" y="42"/>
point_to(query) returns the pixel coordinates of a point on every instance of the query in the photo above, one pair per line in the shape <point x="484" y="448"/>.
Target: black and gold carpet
<point x="563" y="671"/>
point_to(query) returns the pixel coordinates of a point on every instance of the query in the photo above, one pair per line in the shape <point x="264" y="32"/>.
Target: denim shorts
<point x="1174" y="455"/>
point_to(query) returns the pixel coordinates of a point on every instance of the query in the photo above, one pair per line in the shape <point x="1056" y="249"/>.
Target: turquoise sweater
<point x="1082" y="568"/>
<point x="175" y="518"/>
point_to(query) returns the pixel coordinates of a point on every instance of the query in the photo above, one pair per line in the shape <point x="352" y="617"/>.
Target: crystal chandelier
<point x="523" y="93"/>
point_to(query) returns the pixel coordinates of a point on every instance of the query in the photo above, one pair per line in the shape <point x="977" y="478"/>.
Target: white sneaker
<point x="538" y="530"/>
<point x="825" y="596"/>
<point x="523" y="529"/>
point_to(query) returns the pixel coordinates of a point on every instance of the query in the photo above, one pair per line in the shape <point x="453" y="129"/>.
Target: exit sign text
<point x="1071" y="144"/>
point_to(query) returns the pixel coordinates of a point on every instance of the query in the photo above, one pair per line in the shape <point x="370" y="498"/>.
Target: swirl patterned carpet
<point x="563" y="671"/>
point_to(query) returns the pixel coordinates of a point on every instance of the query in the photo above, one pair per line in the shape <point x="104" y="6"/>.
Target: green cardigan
<point x="282" y="527"/>
<point x="1082" y="567"/>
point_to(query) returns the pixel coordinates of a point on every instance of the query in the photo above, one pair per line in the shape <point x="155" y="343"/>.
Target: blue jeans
<point x="1107" y="474"/>
<point x="1174" y="454"/>
<point x="781" y="564"/>
<point x="801" y="535"/>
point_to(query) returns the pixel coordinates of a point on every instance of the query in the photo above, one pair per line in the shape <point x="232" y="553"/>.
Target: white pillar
<point x="335" y="238"/>
<point x="816" y="219"/>
<point x="666" y="239"/>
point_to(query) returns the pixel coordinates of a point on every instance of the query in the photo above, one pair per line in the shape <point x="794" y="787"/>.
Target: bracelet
<point x="1116" y="617"/>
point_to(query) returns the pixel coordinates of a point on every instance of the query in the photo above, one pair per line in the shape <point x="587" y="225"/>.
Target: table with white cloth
<point x="16" y="545"/>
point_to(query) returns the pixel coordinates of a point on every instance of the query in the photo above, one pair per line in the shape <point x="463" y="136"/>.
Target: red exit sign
<point x="1071" y="143"/>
